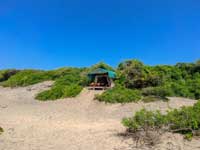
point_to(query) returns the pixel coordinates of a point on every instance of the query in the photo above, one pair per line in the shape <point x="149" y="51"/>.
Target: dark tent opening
<point x="101" y="78"/>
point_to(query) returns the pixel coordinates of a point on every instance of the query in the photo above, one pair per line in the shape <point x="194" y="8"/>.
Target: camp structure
<point x="101" y="79"/>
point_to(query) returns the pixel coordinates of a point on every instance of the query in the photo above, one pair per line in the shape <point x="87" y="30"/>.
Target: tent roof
<point x="110" y="73"/>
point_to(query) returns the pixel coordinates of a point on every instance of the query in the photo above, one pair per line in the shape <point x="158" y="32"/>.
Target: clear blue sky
<point x="47" y="34"/>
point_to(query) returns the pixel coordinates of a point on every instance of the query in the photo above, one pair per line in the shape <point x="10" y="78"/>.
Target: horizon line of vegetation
<point x="134" y="81"/>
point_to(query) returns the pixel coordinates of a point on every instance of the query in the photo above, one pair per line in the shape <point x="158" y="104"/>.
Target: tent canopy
<point x="99" y="71"/>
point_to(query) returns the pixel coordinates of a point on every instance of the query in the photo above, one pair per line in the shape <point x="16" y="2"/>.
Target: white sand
<point x="73" y="124"/>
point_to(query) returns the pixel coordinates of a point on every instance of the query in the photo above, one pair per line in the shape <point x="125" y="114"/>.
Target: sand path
<point x="70" y="124"/>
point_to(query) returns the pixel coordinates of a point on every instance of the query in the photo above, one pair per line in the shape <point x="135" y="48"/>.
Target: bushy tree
<point x="137" y="75"/>
<point x="161" y="80"/>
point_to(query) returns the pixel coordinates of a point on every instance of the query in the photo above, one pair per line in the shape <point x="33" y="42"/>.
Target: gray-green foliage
<point x="182" y="79"/>
<point x="185" y="121"/>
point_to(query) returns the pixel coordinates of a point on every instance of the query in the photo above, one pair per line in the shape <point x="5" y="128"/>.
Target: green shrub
<point x="61" y="72"/>
<point x="1" y="130"/>
<point x="29" y="77"/>
<point x="70" y="85"/>
<point x="144" y="120"/>
<point x="52" y="94"/>
<point x="69" y="79"/>
<point x="26" y="77"/>
<point x="58" y="92"/>
<point x="100" y="65"/>
<point x="6" y="74"/>
<point x="185" y="121"/>
<point x="119" y="95"/>
<point x="134" y="74"/>
<point x="181" y="80"/>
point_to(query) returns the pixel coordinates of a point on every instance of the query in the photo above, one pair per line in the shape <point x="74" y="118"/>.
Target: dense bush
<point x="136" y="75"/>
<point x="119" y="95"/>
<point x="6" y="74"/>
<point x="100" y="65"/>
<point x="69" y="85"/>
<point x="181" y="80"/>
<point x="26" y="77"/>
<point x="68" y="81"/>
<point x="29" y="77"/>
<point x="61" y="72"/>
<point x="58" y="92"/>
<point x="144" y="120"/>
<point x="185" y="121"/>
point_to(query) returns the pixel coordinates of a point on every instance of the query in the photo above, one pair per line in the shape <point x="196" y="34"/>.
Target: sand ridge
<point x="79" y="123"/>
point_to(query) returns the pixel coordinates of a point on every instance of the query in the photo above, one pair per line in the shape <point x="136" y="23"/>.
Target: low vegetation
<point x="134" y="79"/>
<point x="157" y="82"/>
<point x="26" y="77"/>
<point x="1" y="130"/>
<point x="185" y="121"/>
<point x="6" y="74"/>
<point x="148" y="99"/>
<point x="58" y="92"/>
<point x="69" y="85"/>
<point x="183" y="79"/>
<point x="119" y="94"/>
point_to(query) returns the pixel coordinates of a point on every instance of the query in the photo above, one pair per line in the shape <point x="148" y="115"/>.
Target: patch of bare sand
<point x="75" y="123"/>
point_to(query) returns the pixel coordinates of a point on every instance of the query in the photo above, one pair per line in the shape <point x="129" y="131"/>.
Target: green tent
<point x="99" y="71"/>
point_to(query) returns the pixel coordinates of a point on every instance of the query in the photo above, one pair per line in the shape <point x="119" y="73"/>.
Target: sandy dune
<point x="73" y="124"/>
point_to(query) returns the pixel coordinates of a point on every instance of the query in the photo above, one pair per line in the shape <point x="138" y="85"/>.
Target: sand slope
<point x="73" y="124"/>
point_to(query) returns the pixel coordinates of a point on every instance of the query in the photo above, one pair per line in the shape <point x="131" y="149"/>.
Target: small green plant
<point x="1" y="130"/>
<point x="119" y="95"/>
